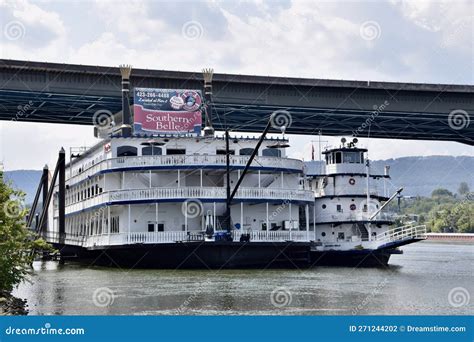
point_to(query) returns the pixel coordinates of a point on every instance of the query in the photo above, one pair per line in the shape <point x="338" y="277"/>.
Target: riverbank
<point x="11" y="305"/>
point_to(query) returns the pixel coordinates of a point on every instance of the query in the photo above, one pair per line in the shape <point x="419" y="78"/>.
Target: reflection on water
<point x="417" y="282"/>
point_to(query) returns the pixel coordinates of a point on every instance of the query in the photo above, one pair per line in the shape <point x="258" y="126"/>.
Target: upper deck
<point x="172" y="153"/>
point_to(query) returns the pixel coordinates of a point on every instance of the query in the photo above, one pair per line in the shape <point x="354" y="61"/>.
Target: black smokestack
<point x="207" y="74"/>
<point x="126" y="128"/>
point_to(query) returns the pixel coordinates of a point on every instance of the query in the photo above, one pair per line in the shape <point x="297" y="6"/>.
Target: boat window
<point x="175" y="151"/>
<point x="339" y="208"/>
<point x="232" y="152"/>
<point x="151" y="227"/>
<point x="324" y="206"/>
<point x="362" y="157"/>
<point x="126" y="151"/>
<point x="338" y="156"/>
<point x="246" y="151"/>
<point x="151" y="151"/>
<point x="271" y="152"/>
<point x="323" y="234"/>
<point x="351" y="157"/>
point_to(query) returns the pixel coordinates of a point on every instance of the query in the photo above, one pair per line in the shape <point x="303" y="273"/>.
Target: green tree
<point x="17" y="243"/>
<point x="463" y="188"/>
<point x="440" y="192"/>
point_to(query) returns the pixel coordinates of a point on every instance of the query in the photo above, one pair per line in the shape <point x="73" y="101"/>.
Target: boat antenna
<point x="126" y="127"/>
<point x="207" y="75"/>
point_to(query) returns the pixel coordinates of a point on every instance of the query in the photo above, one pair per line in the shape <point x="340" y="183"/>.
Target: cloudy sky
<point x="405" y="41"/>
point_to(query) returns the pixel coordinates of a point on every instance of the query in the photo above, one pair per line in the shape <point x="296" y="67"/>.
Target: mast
<point x="126" y="128"/>
<point x="367" y="164"/>
<point x="207" y="74"/>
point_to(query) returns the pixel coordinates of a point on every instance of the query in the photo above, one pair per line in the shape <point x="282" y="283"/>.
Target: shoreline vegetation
<point x="18" y="248"/>
<point x="443" y="212"/>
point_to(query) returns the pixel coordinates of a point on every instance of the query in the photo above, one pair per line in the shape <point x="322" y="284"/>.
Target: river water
<point x="428" y="279"/>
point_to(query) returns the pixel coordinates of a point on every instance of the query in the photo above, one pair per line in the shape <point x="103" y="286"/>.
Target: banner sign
<point x="169" y="111"/>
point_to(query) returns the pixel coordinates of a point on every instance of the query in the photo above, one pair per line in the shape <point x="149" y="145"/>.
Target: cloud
<point x="415" y="41"/>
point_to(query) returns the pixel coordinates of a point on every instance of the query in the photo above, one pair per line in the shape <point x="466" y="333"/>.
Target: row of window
<point x="351" y="207"/>
<point x="92" y="225"/>
<point x="82" y="192"/>
<point x="132" y="151"/>
<point x="345" y="157"/>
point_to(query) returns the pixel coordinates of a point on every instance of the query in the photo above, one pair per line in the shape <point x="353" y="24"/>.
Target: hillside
<point x="418" y="175"/>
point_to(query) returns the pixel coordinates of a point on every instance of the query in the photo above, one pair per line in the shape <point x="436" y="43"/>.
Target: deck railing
<point x="401" y="233"/>
<point x="351" y="216"/>
<point x="170" y="237"/>
<point x="218" y="193"/>
<point x="182" y="160"/>
<point x="263" y="235"/>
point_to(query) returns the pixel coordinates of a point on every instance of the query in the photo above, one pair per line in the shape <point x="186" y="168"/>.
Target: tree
<point x="17" y="243"/>
<point x="440" y="192"/>
<point x="463" y="188"/>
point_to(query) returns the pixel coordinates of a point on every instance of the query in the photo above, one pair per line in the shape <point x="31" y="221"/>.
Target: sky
<point x="401" y="41"/>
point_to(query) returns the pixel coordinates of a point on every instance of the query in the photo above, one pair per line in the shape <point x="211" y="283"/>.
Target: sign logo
<point x="170" y="111"/>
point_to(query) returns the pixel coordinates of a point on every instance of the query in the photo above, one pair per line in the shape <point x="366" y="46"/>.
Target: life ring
<point x="353" y="206"/>
<point x="352" y="181"/>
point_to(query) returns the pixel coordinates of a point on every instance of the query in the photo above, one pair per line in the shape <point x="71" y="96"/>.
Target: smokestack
<point x="126" y="127"/>
<point x="207" y="74"/>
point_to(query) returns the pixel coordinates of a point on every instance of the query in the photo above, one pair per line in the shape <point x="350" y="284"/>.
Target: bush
<point x="17" y="243"/>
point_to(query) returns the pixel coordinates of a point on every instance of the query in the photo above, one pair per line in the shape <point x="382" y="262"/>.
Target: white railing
<point x="350" y="216"/>
<point x="170" y="237"/>
<point x="218" y="193"/>
<point x="262" y="235"/>
<point x="185" y="161"/>
<point x="401" y="233"/>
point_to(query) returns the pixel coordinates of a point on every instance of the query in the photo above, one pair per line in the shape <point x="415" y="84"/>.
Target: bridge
<point x="71" y="94"/>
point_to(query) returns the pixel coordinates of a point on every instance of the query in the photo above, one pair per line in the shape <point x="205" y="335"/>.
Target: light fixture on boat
<point x="353" y="142"/>
<point x="153" y="143"/>
<point x="280" y="144"/>
<point x="343" y="141"/>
